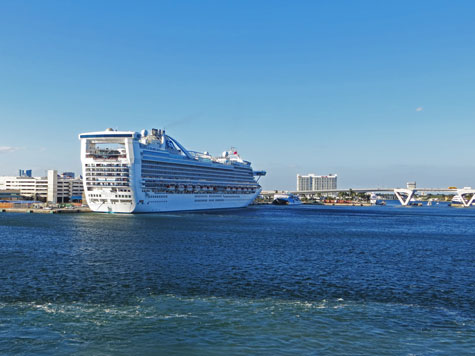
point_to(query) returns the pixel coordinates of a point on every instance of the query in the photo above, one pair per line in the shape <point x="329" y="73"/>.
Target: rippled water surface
<point x="263" y="280"/>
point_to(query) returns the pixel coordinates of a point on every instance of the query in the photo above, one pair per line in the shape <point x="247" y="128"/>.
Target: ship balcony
<point x="94" y="179"/>
<point x="106" y="184"/>
<point x="106" y="165"/>
<point x="111" y="175"/>
<point x="101" y="157"/>
<point x="107" y="169"/>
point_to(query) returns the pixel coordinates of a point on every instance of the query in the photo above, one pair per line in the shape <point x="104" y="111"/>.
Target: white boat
<point x="433" y="201"/>
<point x="375" y="200"/>
<point x="286" y="199"/>
<point x="132" y="172"/>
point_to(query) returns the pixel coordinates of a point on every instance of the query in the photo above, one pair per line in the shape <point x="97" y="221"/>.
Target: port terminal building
<point x="52" y="188"/>
<point x="10" y="195"/>
<point x="316" y="182"/>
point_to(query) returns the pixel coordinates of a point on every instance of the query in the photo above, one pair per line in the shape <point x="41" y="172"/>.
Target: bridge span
<point x="404" y="195"/>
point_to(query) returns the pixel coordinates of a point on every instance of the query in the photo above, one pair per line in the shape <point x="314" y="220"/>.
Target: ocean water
<point x="266" y="280"/>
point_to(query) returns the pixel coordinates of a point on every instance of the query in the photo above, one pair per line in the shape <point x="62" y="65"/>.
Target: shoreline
<point x="45" y="211"/>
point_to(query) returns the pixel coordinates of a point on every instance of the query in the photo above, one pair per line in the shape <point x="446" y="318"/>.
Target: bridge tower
<point x="465" y="191"/>
<point x="405" y="195"/>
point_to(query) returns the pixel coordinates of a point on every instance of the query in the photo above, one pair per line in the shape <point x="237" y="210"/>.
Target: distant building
<point x="68" y="175"/>
<point x="24" y="173"/>
<point x="314" y="182"/>
<point x="52" y="188"/>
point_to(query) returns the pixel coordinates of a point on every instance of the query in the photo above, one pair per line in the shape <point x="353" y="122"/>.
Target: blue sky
<point x="380" y="93"/>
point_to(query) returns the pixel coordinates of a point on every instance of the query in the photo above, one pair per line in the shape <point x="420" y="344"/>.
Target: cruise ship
<point x="142" y="172"/>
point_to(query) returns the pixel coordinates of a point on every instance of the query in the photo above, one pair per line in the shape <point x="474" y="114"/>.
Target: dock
<point x="45" y="211"/>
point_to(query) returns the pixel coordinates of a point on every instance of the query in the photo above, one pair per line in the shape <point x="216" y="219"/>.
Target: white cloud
<point x="420" y="108"/>
<point x="7" y="149"/>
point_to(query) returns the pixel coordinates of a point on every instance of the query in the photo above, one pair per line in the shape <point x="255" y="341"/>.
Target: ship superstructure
<point x="142" y="172"/>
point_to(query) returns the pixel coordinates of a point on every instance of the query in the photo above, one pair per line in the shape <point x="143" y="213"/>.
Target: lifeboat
<point x="197" y="188"/>
<point x="189" y="188"/>
<point x="181" y="188"/>
<point x="171" y="188"/>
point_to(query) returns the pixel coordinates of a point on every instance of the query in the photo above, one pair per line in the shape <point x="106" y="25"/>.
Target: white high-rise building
<point x="314" y="182"/>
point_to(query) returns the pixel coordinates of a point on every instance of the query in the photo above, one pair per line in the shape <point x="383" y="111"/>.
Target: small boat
<point x="286" y="199"/>
<point x="415" y="202"/>
<point x="375" y="200"/>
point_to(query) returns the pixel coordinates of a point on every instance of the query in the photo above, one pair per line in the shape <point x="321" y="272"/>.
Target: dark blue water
<point x="263" y="280"/>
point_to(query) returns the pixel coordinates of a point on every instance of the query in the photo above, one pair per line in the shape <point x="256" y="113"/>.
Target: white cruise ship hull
<point x="178" y="202"/>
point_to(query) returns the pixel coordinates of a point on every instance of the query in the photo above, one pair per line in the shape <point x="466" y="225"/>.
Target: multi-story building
<point x="52" y="188"/>
<point x="314" y="182"/>
<point x="304" y="182"/>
